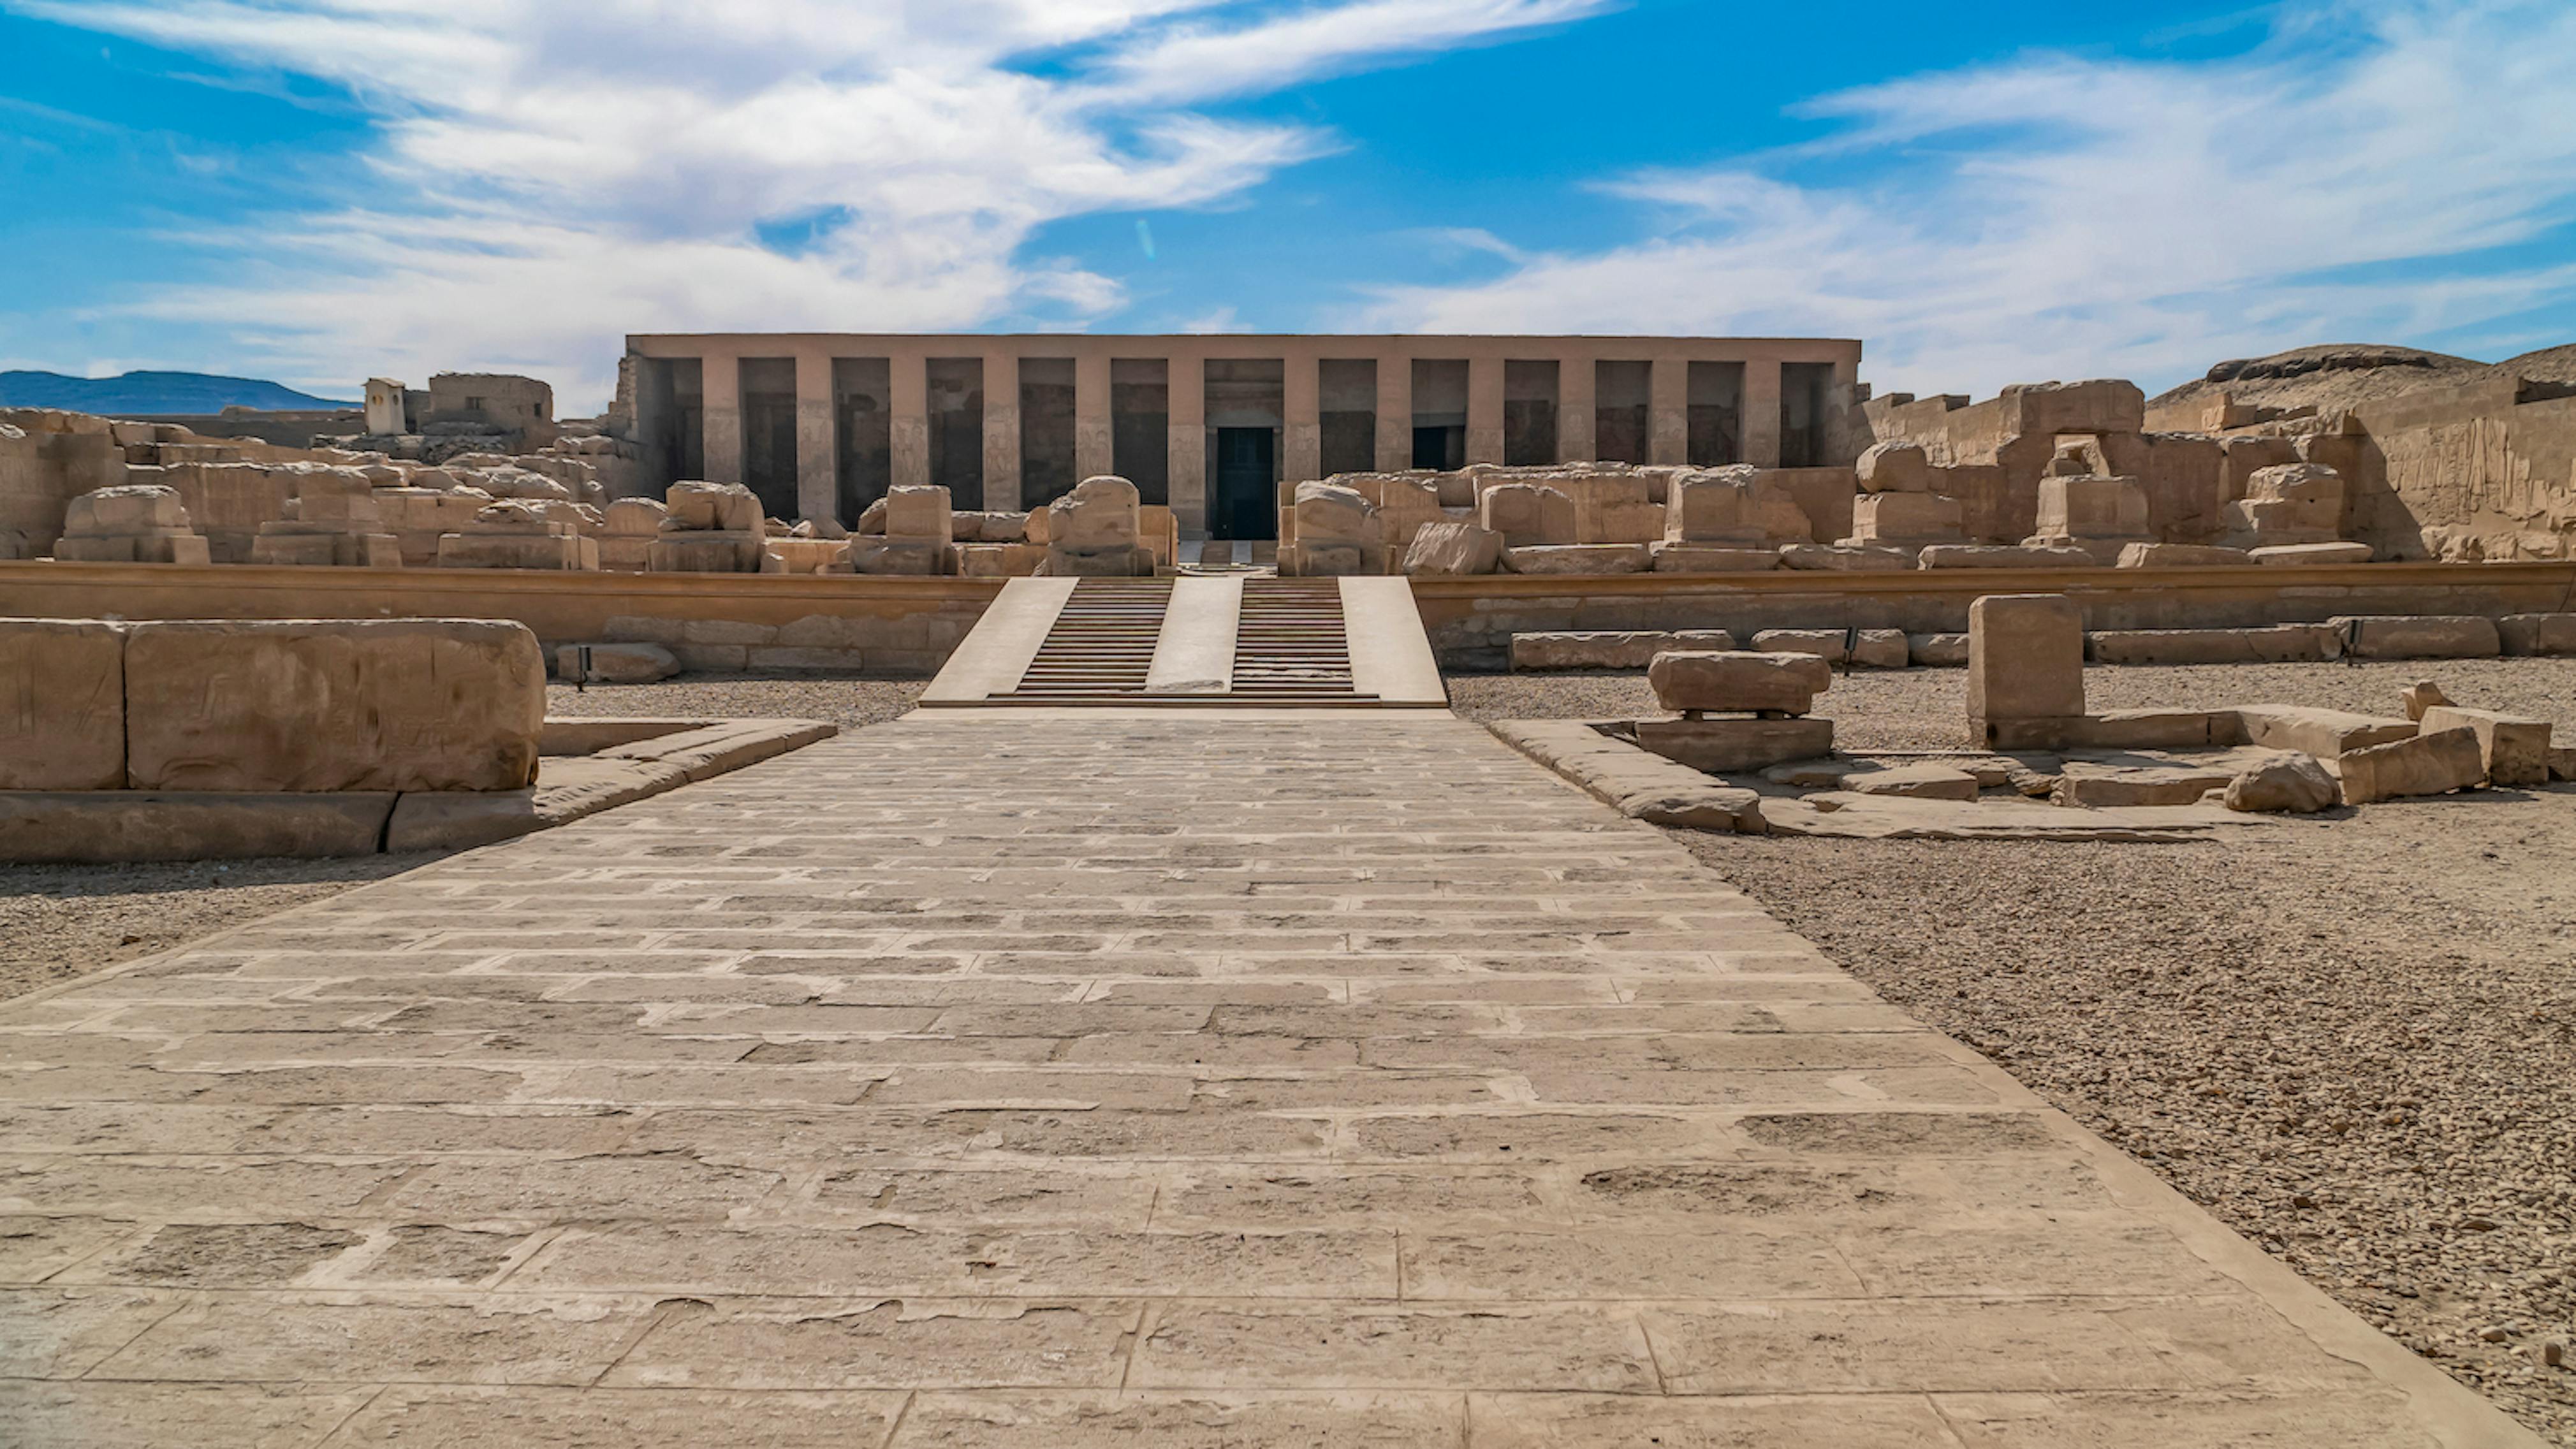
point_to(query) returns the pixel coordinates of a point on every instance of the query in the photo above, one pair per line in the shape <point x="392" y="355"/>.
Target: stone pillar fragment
<point x="1394" y="414"/>
<point x="1001" y="432"/>
<point x="818" y="474"/>
<point x="908" y="421"/>
<point x="1485" y="410"/>
<point x="1301" y="445"/>
<point x="1093" y="436"/>
<point x="1575" y="442"/>
<point x="1762" y="412"/>
<point x="720" y="401"/>
<point x="2025" y="670"/>
<point x="1668" y="411"/>
<point x="1185" y="383"/>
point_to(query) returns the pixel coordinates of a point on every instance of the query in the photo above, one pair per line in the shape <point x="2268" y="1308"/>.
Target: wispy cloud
<point x="2057" y="216"/>
<point x="557" y="172"/>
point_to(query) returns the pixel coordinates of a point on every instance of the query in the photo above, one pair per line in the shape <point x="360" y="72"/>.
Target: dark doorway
<point x="769" y="462"/>
<point x="1246" y="484"/>
<point x="1444" y="447"/>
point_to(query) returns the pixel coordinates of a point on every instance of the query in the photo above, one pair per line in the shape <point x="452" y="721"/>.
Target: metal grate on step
<point x="1290" y="647"/>
<point x="1101" y="645"/>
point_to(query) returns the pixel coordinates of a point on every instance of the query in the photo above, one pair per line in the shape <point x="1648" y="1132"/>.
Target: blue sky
<point x="322" y="190"/>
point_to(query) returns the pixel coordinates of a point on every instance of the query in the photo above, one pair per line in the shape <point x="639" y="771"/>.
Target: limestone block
<point x="807" y="555"/>
<point x="2327" y="734"/>
<point x="978" y="526"/>
<point x="1098" y="517"/>
<point x="2311" y="553"/>
<point x="1846" y="558"/>
<point x="633" y="516"/>
<point x="679" y="552"/>
<point x="1735" y="504"/>
<point x="2562" y="762"/>
<point x="561" y="552"/>
<point x="872" y="520"/>
<point x="2419" y="636"/>
<point x="2025" y="663"/>
<point x="1329" y="513"/>
<point x="1452" y="547"/>
<point x="1904" y="518"/>
<point x="127" y="508"/>
<point x="1735" y="746"/>
<point x="2293" y="497"/>
<point x="2006" y="556"/>
<point x="342" y="496"/>
<point x="2091" y="508"/>
<point x="1937" y="651"/>
<point x="2158" y="729"/>
<point x="2089" y="785"/>
<point x="892" y="555"/>
<point x="1105" y="563"/>
<point x="2274" y="644"/>
<point x="1608" y="648"/>
<point x="2429" y="764"/>
<point x="62" y="705"/>
<point x="1914" y="782"/>
<point x="2180" y="556"/>
<point x="1895" y="467"/>
<point x="1526" y="515"/>
<point x="392" y="704"/>
<point x="917" y="512"/>
<point x="2291" y="783"/>
<point x="1872" y="648"/>
<point x="1701" y="558"/>
<point x="114" y="826"/>
<point x="2537" y="633"/>
<point x="615" y="663"/>
<point x="1406" y="506"/>
<point x="700" y="507"/>
<point x="2420" y="696"/>
<point x="995" y="560"/>
<point x="1738" y="681"/>
<point x="1577" y="558"/>
<point x="2513" y="750"/>
<point x="1322" y="560"/>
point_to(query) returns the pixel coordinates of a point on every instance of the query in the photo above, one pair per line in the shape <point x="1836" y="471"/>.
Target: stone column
<point x="818" y="472"/>
<point x="1002" y="432"/>
<point x="1301" y="414"/>
<point x="1668" y="411"/>
<point x="1484" y="410"/>
<point x="1574" y="410"/>
<point x="1394" y="413"/>
<point x="1186" y="376"/>
<point x="1094" y="452"/>
<point x="1761" y="412"/>
<point x="720" y="416"/>
<point x="908" y="420"/>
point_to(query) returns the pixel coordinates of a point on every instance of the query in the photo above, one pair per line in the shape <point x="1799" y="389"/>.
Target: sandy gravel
<point x="2354" y="1041"/>
<point x="58" y="921"/>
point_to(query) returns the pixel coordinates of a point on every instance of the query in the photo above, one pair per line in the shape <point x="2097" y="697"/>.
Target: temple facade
<point x="820" y="424"/>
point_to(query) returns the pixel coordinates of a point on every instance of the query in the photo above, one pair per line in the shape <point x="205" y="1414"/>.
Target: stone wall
<point x="2481" y="471"/>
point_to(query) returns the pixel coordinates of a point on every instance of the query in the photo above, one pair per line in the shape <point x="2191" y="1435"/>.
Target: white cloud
<point x="2054" y="216"/>
<point x="560" y="172"/>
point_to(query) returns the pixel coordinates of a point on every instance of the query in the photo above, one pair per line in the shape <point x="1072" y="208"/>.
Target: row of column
<point x="1301" y="442"/>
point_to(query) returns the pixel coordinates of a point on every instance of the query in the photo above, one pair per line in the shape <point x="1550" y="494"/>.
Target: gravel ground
<point x="59" y="921"/>
<point x="2354" y="1041"/>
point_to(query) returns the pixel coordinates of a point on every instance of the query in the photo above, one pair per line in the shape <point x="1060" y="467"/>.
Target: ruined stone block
<point x="2025" y="663"/>
<point x="1735" y="746"/>
<point x="2325" y="733"/>
<point x="2080" y="509"/>
<point x="2418" y="636"/>
<point x="1847" y="558"/>
<point x="1738" y="681"/>
<point x="1904" y="518"/>
<point x="1895" y="467"/>
<point x="2180" y="556"/>
<point x="1453" y="547"/>
<point x="2311" y="553"/>
<point x="615" y="663"/>
<point x="1526" y="515"/>
<point x="2523" y="634"/>
<point x="2513" y="749"/>
<point x="2428" y="764"/>
<point x="62" y="705"/>
<point x="919" y="512"/>
<point x="695" y="506"/>
<point x="1578" y="558"/>
<point x="1699" y="558"/>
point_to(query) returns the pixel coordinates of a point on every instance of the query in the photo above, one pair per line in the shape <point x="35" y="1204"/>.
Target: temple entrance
<point x="1246" y="485"/>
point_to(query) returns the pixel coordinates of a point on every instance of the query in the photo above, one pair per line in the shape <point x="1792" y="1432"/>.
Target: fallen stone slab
<point x="1937" y="651"/>
<point x="2158" y="729"/>
<point x="1703" y="558"/>
<point x="1638" y="784"/>
<point x="2325" y="733"/>
<point x="103" y="827"/>
<point x="1729" y="681"/>
<point x="64" y="727"/>
<point x="1608" y="648"/>
<point x="2429" y="764"/>
<point x="2418" y="636"/>
<point x="2294" y="554"/>
<point x="2514" y="749"/>
<point x="2092" y="785"/>
<point x="2005" y="556"/>
<point x="614" y="663"/>
<point x="1734" y="746"/>
<point x="2180" y="556"/>
<point x="1850" y="816"/>
<point x="1915" y="782"/>
<point x="2277" y="644"/>
<point x="1847" y="559"/>
<point x="2537" y="633"/>
<point x="718" y="748"/>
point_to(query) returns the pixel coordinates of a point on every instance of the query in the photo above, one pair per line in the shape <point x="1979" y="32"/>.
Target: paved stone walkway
<point x="1065" y="1080"/>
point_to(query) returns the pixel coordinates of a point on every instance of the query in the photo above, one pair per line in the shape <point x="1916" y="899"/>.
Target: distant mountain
<point x="145" y="393"/>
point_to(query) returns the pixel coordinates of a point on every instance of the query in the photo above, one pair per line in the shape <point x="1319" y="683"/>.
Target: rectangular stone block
<point x="108" y="826"/>
<point x="62" y="705"/>
<point x="2419" y="636"/>
<point x="2279" y="643"/>
<point x="1694" y="558"/>
<point x="1736" y="746"/>
<point x="2324" y="733"/>
<point x="2514" y="749"/>
<point x="2428" y="764"/>
<point x="1904" y="517"/>
<point x="2538" y="633"/>
<point x="395" y="704"/>
<point x="2159" y="729"/>
<point x="2025" y="660"/>
<point x="1609" y="648"/>
<point x="1576" y="558"/>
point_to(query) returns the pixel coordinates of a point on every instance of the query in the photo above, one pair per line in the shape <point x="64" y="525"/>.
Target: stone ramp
<point x="1214" y="640"/>
<point x="1100" y="1078"/>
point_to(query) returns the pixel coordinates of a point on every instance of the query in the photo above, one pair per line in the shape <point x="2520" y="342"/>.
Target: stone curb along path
<point x="1102" y="1078"/>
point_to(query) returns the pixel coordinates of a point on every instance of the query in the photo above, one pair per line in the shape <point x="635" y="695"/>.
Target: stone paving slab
<point x="1044" y="1078"/>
